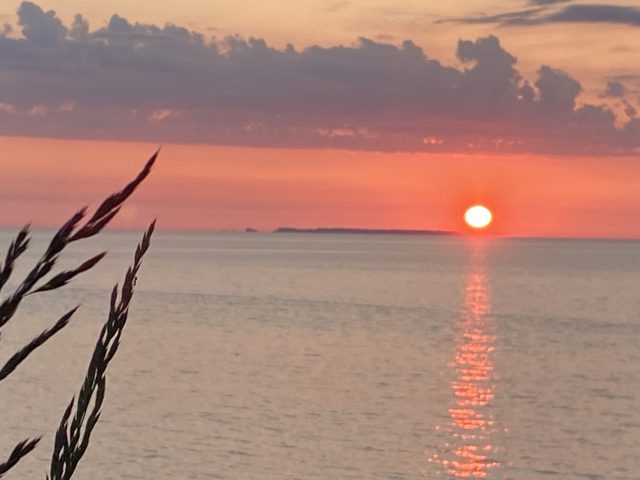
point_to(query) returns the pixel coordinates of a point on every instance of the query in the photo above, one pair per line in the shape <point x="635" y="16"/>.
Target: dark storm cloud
<point x="614" y="14"/>
<point x="168" y="84"/>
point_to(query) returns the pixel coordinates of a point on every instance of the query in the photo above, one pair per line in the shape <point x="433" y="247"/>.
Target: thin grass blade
<point x="19" y="452"/>
<point x="20" y="356"/>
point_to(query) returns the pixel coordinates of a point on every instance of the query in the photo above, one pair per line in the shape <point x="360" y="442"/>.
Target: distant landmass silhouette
<point x="363" y="231"/>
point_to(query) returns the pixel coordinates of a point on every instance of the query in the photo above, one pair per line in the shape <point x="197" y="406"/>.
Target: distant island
<point x="363" y="231"/>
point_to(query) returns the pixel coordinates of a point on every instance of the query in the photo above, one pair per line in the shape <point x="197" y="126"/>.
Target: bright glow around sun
<point x="478" y="216"/>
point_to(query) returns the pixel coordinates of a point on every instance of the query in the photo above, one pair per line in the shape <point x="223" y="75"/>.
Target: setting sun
<point x="478" y="216"/>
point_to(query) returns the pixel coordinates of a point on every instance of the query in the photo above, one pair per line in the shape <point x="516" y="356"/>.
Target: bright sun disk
<point x="478" y="216"/>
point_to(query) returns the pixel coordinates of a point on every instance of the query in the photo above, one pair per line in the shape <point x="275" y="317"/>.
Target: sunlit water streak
<point x="470" y="450"/>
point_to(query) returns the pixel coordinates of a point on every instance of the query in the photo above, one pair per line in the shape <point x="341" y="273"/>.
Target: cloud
<point x="6" y="30"/>
<point x="547" y="2"/>
<point x="40" y="27"/>
<point x="629" y="110"/>
<point x="587" y="13"/>
<point x="520" y="17"/>
<point x="558" y="91"/>
<point x="614" y="89"/>
<point x="135" y="81"/>
<point x="597" y="14"/>
<point x="336" y="6"/>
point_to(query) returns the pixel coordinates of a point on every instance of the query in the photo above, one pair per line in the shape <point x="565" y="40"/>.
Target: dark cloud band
<point x="613" y="14"/>
<point x="168" y="84"/>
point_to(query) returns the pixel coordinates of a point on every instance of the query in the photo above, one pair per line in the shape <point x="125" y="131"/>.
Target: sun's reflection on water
<point x="470" y="450"/>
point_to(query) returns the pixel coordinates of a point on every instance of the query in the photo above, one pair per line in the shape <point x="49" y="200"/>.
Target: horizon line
<point x="360" y="231"/>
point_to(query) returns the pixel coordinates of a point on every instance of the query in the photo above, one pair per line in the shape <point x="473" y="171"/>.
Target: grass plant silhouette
<point x="83" y="412"/>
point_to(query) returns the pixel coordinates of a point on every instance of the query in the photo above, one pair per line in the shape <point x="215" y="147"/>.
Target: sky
<point x="371" y="114"/>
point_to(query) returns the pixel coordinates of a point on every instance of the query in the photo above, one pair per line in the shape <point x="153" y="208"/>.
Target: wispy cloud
<point x="519" y="17"/>
<point x="335" y="6"/>
<point x="613" y="14"/>
<point x="169" y="84"/>
<point x="597" y="14"/>
<point x="547" y="2"/>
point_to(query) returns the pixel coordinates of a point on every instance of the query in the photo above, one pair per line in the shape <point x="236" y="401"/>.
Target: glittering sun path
<point x="470" y="450"/>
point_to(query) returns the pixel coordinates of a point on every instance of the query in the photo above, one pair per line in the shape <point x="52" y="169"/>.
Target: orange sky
<point x="380" y="119"/>
<point x="230" y="188"/>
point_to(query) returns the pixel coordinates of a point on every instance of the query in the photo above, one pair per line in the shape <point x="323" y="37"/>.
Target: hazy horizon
<point x="391" y="232"/>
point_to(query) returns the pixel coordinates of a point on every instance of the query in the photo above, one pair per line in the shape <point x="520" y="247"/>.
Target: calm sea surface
<point x="342" y="357"/>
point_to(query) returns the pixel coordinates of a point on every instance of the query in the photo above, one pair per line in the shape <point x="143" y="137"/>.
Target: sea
<point x="261" y="356"/>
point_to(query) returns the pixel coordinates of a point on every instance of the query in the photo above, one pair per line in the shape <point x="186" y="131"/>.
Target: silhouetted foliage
<point x="72" y="439"/>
